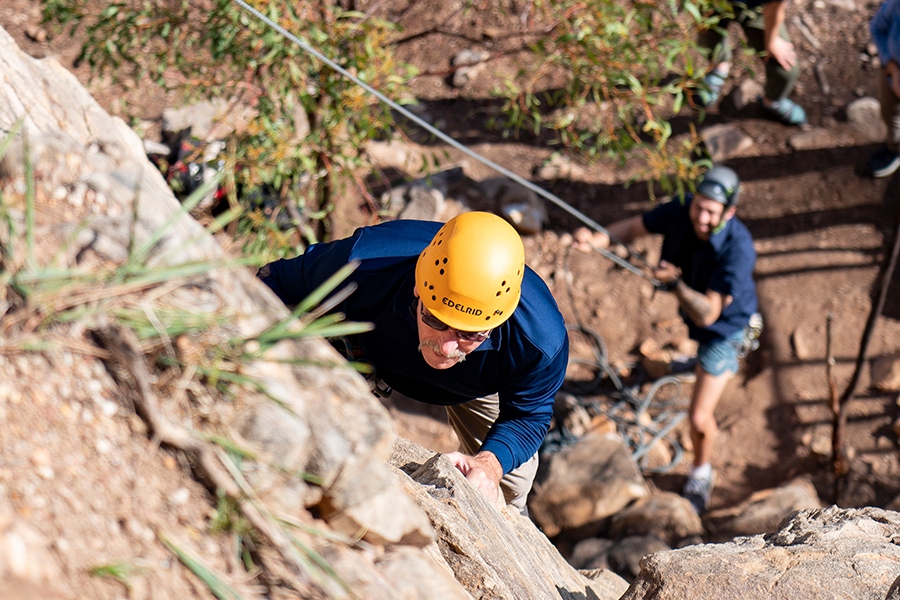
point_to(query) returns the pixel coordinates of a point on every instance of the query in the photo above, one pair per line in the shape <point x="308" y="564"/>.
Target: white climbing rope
<point x="452" y="142"/>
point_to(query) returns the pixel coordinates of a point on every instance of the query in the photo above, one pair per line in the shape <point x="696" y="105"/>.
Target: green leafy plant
<point x="309" y="121"/>
<point x="633" y="63"/>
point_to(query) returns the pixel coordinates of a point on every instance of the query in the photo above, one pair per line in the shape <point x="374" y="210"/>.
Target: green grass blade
<point x="216" y="585"/>
<point x="326" y="288"/>
<point x="332" y="301"/>
<point x="218" y="223"/>
<point x="315" y="564"/>
<point x="228" y="445"/>
<point x="118" y="571"/>
<point x="29" y="208"/>
<point x="327" y="330"/>
<point x="146" y="276"/>
<point x="224" y="219"/>
<point x="328" y="326"/>
<point x="139" y="256"/>
<point x="316" y="559"/>
<point x="10" y="136"/>
<point x="280" y="329"/>
<point x="49" y="275"/>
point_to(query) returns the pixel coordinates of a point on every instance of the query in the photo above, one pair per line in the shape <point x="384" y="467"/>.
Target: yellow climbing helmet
<point x="470" y="275"/>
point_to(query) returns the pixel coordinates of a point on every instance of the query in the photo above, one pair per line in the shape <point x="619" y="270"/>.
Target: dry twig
<point x="844" y="403"/>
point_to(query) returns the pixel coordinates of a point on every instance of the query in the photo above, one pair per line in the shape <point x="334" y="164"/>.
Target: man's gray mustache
<point x="434" y="347"/>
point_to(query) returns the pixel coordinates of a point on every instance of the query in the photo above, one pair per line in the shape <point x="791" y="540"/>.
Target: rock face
<point x="519" y="561"/>
<point x="821" y="554"/>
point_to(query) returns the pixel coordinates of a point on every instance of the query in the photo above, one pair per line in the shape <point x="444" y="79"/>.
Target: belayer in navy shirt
<point x="707" y="261"/>
<point x="459" y="321"/>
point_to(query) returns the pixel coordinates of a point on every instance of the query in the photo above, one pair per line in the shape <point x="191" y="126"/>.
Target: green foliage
<point x="309" y="120"/>
<point x="228" y="518"/>
<point x="634" y="61"/>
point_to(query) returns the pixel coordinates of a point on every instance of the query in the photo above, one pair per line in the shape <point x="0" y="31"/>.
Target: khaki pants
<point x="471" y="422"/>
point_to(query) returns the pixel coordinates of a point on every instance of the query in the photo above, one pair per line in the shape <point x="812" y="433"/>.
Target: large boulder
<point x="818" y="554"/>
<point x="585" y="483"/>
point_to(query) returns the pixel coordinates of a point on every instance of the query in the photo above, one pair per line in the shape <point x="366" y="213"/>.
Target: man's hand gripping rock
<point x="484" y="472"/>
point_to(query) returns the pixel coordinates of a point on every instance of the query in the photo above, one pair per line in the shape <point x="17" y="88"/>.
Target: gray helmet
<point x="720" y="184"/>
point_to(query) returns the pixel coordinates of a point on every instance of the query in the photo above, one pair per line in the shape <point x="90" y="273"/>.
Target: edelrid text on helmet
<point x="470" y="275"/>
<point x="722" y="185"/>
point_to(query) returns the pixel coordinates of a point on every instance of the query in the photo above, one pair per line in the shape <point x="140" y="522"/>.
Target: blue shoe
<point x="786" y="111"/>
<point x="712" y="87"/>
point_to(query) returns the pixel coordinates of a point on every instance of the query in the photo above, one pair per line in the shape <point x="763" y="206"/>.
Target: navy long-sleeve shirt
<point x="524" y="360"/>
<point x="723" y="264"/>
<point x="885" y="30"/>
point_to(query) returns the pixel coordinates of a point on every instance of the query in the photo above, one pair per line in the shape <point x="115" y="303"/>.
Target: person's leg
<point x="471" y="421"/>
<point x="707" y="392"/>
<point x="890" y="113"/>
<point x="716" y="41"/>
<point x="886" y="160"/>
<point x="717" y="363"/>
<point x="720" y="52"/>
<point x="780" y="82"/>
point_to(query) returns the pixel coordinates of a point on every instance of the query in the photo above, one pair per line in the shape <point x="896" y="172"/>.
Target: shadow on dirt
<point x="609" y="203"/>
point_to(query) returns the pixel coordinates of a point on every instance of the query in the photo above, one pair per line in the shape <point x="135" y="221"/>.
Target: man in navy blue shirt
<point x="707" y="261"/>
<point x="459" y="321"/>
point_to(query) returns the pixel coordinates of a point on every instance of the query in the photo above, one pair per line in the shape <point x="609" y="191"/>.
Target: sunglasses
<point x="438" y="325"/>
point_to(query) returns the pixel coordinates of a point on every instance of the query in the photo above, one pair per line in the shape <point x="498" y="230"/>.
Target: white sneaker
<point x="698" y="492"/>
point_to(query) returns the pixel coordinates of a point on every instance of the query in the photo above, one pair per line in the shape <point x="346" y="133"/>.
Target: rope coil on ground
<point x="642" y="420"/>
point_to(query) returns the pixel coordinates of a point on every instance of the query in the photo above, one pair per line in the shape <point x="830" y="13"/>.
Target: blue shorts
<point x="721" y="355"/>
